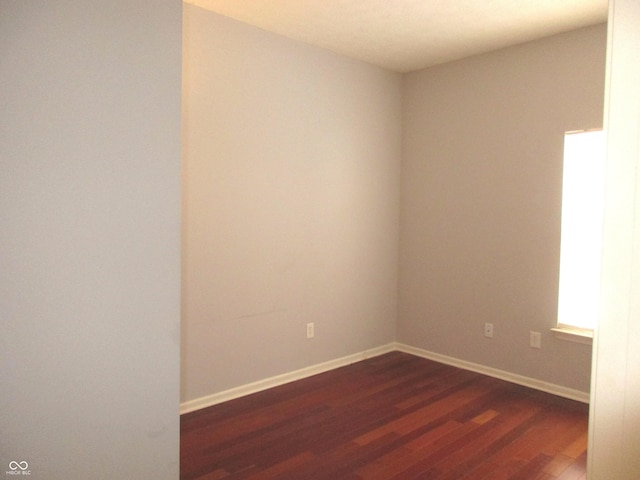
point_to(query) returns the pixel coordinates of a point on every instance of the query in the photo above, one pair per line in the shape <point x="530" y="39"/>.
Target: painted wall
<point x="614" y="442"/>
<point x="291" y="204"/>
<point x="90" y="238"/>
<point x="481" y="194"/>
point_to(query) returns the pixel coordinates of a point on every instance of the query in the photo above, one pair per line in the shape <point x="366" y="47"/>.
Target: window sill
<point x="573" y="334"/>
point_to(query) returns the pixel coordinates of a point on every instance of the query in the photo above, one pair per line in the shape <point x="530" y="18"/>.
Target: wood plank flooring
<point x="395" y="416"/>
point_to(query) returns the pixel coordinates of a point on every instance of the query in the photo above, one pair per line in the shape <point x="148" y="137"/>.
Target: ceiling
<point x="406" y="35"/>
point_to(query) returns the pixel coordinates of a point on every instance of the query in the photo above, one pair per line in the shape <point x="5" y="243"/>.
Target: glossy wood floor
<point x="396" y="416"/>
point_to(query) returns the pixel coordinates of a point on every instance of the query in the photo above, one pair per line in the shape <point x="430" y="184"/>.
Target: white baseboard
<point x="552" y="388"/>
<point x="261" y="385"/>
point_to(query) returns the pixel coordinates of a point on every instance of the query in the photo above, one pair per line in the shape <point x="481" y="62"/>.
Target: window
<point x="581" y="232"/>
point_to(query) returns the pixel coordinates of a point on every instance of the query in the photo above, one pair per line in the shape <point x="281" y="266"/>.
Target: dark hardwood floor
<point x="396" y="416"/>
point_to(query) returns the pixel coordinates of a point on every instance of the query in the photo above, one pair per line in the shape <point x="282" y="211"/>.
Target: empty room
<point x="336" y="210"/>
<point x="316" y="240"/>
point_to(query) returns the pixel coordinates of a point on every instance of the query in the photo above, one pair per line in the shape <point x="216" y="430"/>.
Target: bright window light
<point x="581" y="235"/>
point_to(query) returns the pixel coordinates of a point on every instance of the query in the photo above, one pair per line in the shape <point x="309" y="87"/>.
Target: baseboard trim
<point x="260" y="385"/>
<point x="241" y="391"/>
<point x="552" y="388"/>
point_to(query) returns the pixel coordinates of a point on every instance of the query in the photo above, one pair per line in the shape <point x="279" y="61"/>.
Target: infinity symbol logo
<point x="13" y="465"/>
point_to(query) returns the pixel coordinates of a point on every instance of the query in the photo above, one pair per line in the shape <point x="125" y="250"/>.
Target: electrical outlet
<point x="310" y="330"/>
<point x="535" y="339"/>
<point x="488" y="330"/>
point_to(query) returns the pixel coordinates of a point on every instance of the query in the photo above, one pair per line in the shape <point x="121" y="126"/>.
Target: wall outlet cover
<point x="535" y="339"/>
<point x="488" y="330"/>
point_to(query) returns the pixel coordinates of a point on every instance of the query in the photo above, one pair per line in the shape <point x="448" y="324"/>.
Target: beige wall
<point x="291" y="200"/>
<point x="291" y="204"/>
<point x="90" y="238"/>
<point x="481" y="191"/>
